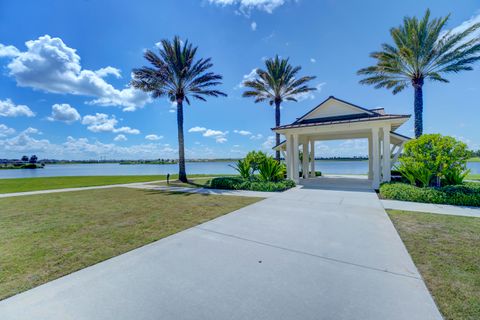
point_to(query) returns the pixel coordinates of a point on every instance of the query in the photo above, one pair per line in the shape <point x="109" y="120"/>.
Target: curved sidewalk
<point x="303" y="254"/>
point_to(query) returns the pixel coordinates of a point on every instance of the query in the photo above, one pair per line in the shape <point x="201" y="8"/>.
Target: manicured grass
<point x="473" y="177"/>
<point x="474" y="159"/>
<point x="445" y="249"/>
<point x="192" y="183"/>
<point x="47" y="236"/>
<point x="48" y="183"/>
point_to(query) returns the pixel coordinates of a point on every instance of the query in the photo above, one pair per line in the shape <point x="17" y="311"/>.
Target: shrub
<point x="244" y="168"/>
<point x="256" y="158"/>
<point x="467" y="194"/>
<point x="228" y="183"/>
<point x="237" y="183"/>
<point x="271" y="171"/>
<point x="433" y="158"/>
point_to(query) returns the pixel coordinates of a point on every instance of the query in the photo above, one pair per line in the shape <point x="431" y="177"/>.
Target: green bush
<point x="228" y="183"/>
<point x="244" y="168"/>
<point x="255" y="159"/>
<point x="467" y="194"/>
<point x="271" y="170"/>
<point x="237" y="183"/>
<point x="433" y="159"/>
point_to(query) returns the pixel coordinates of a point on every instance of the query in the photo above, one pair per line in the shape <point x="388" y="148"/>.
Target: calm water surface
<point x="113" y="169"/>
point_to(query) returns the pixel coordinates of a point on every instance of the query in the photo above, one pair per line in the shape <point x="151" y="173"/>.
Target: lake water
<point x="113" y="169"/>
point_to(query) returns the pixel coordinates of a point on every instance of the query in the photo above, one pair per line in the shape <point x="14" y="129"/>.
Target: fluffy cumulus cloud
<point x="10" y="109"/>
<point x="8" y="51"/>
<point x="246" y="6"/>
<point x="219" y="136"/>
<point x="243" y="132"/>
<point x="64" y="113"/>
<point x="101" y="122"/>
<point x="120" y="137"/>
<point x="6" y="131"/>
<point x="24" y="142"/>
<point x="153" y="137"/>
<point x="48" y="64"/>
<point x="248" y="77"/>
<point x="269" y="143"/>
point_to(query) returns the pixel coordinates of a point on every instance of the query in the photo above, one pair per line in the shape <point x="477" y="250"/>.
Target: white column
<point x="305" y="159"/>
<point x="375" y="158"/>
<point x="386" y="174"/>
<point x="288" y="158"/>
<point x="370" y="160"/>
<point x="295" y="159"/>
<point x="312" y="158"/>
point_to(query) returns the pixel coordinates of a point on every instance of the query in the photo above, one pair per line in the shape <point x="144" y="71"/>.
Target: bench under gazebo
<point x="336" y="119"/>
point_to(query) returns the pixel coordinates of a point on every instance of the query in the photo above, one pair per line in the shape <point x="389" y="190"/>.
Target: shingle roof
<point x="341" y="119"/>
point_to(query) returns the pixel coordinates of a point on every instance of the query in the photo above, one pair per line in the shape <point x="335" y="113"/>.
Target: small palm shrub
<point x="271" y="170"/>
<point x="244" y="168"/>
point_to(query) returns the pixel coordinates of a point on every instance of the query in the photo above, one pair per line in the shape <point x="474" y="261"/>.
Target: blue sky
<point x="65" y="68"/>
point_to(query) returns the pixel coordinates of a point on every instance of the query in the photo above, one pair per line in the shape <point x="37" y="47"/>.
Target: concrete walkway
<point x="432" y="208"/>
<point x="306" y="254"/>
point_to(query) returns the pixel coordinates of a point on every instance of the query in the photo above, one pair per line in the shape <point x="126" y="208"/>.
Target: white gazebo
<point x="335" y="119"/>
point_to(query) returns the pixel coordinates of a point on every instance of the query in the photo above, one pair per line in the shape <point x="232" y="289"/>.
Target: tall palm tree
<point x="422" y="51"/>
<point x="276" y="84"/>
<point x="176" y="73"/>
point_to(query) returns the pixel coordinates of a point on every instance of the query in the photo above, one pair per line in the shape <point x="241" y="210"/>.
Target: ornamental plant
<point x="433" y="159"/>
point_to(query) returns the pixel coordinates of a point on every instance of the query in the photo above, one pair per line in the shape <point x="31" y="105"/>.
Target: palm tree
<point x="422" y="51"/>
<point x="277" y="84"/>
<point x="176" y="73"/>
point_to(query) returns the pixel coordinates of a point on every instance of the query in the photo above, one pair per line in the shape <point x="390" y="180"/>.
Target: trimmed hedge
<point x="467" y="194"/>
<point x="237" y="183"/>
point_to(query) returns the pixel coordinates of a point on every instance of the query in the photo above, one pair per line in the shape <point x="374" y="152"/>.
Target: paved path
<point x="307" y="254"/>
<point x="432" y="208"/>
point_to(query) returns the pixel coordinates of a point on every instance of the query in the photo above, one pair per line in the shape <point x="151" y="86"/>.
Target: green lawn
<point x="446" y="251"/>
<point x="474" y="159"/>
<point x="473" y="177"/>
<point x="47" y="236"/>
<point x="48" y="183"/>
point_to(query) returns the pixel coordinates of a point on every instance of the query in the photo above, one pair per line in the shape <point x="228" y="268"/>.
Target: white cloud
<point x="120" y="137"/>
<point x="153" y="137"/>
<point x="269" y="143"/>
<point x="31" y="130"/>
<point x="6" y="131"/>
<point x="101" y="122"/>
<point x="8" y="51"/>
<point x="246" y="6"/>
<point x="256" y="136"/>
<point x="104" y="72"/>
<point x="64" y="113"/>
<point x="9" y="109"/>
<point x="24" y="142"/>
<point x="219" y="136"/>
<point x="50" y="65"/>
<point x="313" y="60"/>
<point x="253" y="25"/>
<point x="197" y="129"/>
<point x="311" y="94"/>
<point x="243" y="132"/>
<point x="248" y="77"/>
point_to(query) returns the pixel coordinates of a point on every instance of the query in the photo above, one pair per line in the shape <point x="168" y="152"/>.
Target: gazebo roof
<point x="337" y="111"/>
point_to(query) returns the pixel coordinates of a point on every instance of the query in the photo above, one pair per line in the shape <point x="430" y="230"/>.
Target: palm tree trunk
<point x="182" y="174"/>
<point x="277" y="123"/>
<point x="418" y="107"/>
